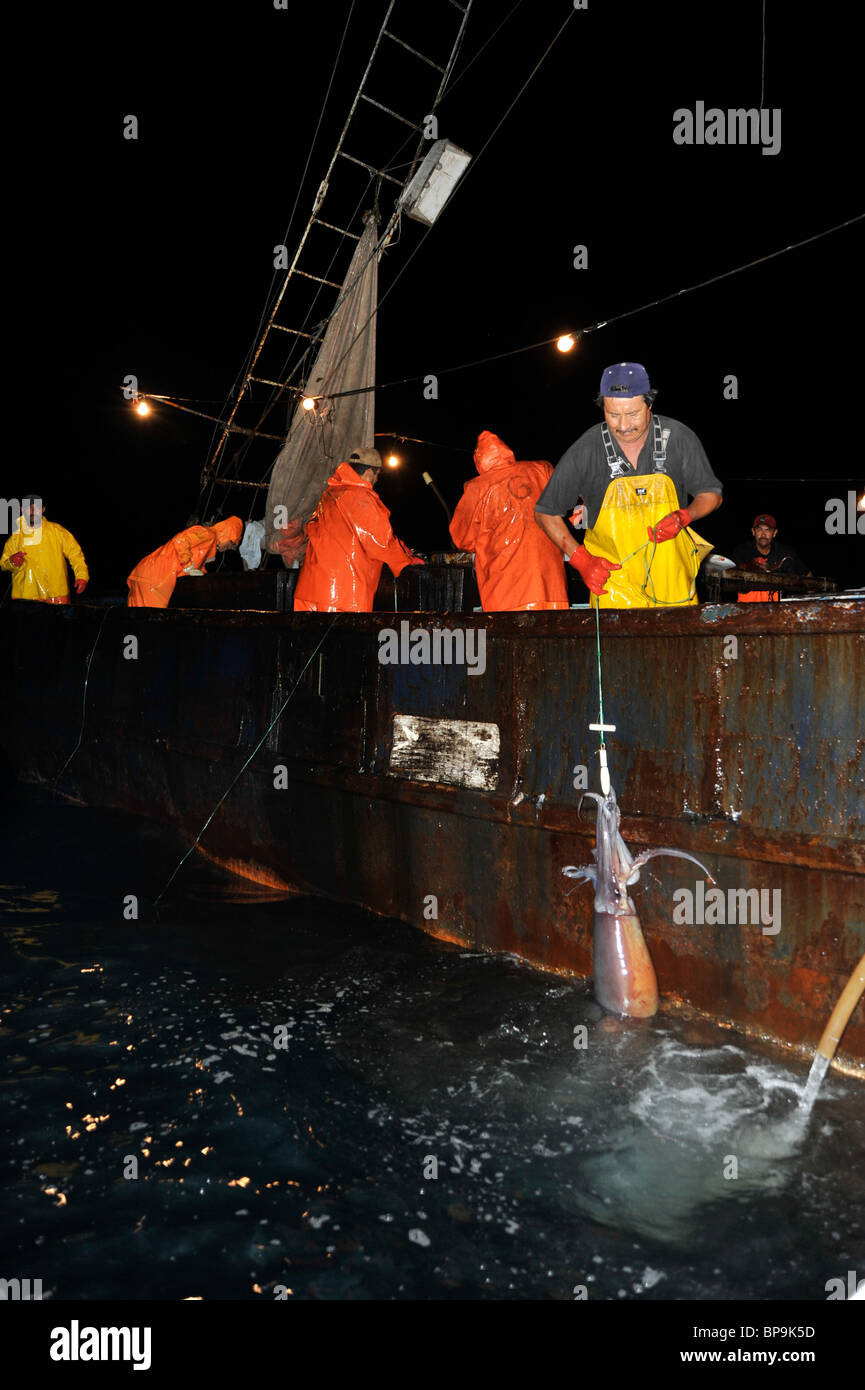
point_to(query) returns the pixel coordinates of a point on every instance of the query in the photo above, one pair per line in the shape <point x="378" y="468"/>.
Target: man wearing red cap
<point x="766" y="553"/>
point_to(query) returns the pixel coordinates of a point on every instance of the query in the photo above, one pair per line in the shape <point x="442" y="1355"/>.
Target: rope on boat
<point x="245" y="765"/>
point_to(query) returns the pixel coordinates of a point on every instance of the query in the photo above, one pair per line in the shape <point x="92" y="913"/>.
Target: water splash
<point x="819" y="1068"/>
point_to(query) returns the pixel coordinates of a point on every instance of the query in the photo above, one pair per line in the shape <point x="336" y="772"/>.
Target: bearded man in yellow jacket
<point x="37" y="552"/>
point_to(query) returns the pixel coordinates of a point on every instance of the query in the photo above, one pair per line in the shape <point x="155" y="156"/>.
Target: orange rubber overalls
<point x="350" y="538"/>
<point x="152" y="582"/>
<point x="516" y="564"/>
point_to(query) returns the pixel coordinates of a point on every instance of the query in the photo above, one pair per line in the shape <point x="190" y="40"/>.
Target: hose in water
<point x="838" y="1019"/>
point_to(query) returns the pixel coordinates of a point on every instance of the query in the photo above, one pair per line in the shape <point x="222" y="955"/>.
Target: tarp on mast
<point x="319" y="440"/>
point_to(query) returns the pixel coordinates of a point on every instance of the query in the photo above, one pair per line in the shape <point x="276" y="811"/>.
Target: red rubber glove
<point x="417" y="560"/>
<point x="80" y="586"/>
<point x="594" y="569"/>
<point x="18" y="558"/>
<point x="669" y="526"/>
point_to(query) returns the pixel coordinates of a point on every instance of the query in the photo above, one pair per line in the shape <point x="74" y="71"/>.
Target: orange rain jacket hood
<point x="517" y="565"/>
<point x="231" y="530"/>
<point x="350" y="538"/>
<point x="152" y="582"/>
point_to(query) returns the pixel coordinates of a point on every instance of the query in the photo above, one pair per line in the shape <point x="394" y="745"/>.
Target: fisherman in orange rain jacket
<point x="152" y="582"/>
<point x="350" y="538"/>
<point x="517" y="566"/>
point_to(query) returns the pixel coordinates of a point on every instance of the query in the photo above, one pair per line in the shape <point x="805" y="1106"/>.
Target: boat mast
<point x="429" y="83"/>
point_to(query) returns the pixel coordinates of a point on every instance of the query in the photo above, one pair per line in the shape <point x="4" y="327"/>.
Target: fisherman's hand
<point x="594" y="569"/>
<point x="418" y="560"/>
<point x="190" y="569"/>
<point x="18" y="558"/>
<point x="80" y="586"/>
<point x="669" y="526"/>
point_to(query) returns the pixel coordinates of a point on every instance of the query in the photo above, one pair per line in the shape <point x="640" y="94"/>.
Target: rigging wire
<point x="277" y="393"/>
<point x="763" y="61"/>
<point x="473" y="165"/>
<point x="605" y="323"/>
<point x="392" y="232"/>
<point x="388" y="232"/>
<point x="445" y="87"/>
<point x="244" y="369"/>
<point x="252" y="356"/>
<point x="412" y="439"/>
<point x="245" y="765"/>
<point x="84" y="696"/>
<point x="543" y="342"/>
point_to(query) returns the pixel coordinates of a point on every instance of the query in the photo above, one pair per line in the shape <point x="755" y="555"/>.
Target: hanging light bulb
<point x="142" y="408"/>
<point x="392" y="461"/>
<point x="308" y="403"/>
<point x="566" y="342"/>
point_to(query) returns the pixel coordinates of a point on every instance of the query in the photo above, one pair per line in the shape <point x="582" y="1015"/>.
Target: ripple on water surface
<point x="256" y="1091"/>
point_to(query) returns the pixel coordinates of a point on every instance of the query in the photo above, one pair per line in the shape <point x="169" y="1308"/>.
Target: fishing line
<point x="236" y="778"/>
<point x="600" y="678"/>
<point x="601" y="727"/>
<point x="660" y="602"/>
<point x="84" y="697"/>
<point x="663" y="602"/>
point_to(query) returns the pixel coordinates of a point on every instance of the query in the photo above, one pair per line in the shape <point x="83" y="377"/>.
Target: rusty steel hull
<point x="740" y="736"/>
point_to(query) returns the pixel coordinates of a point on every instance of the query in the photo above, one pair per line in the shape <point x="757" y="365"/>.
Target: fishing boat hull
<point x="445" y="793"/>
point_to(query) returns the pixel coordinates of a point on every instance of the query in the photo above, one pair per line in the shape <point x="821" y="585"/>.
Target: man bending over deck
<point x="152" y="582"/>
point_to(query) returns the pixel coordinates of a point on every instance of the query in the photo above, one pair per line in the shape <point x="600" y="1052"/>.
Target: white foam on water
<point x="747" y="1111"/>
<point x="819" y="1067"/>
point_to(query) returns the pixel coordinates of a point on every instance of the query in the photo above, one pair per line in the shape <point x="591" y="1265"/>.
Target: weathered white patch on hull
<point x="462" y="752"/>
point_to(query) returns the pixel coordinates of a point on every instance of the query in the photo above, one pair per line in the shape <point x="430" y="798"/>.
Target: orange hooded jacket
<point x="517" y="566"/>
<point x="350" y="538"/>
<point x="152" y="582"/>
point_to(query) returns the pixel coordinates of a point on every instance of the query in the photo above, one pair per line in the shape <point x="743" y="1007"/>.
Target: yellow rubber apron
<point x="652" y="576"/>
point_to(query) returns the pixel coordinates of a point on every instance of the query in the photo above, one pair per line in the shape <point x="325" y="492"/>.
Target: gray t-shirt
<point x="583" y="470"/>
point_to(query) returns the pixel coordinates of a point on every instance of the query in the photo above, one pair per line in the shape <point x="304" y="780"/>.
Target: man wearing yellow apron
<point x="632" y="473"/>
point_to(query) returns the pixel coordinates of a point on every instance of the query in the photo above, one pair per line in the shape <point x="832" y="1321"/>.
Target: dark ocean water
<point x="428" y="1130"/>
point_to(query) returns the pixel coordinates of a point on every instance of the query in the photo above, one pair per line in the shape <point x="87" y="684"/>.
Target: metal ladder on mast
<point x="387" y="45"/>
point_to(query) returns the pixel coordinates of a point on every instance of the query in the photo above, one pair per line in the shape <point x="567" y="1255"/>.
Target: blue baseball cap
<point x="625" y="379"/>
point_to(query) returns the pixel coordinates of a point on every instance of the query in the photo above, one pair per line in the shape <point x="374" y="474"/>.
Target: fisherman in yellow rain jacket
<point x="37" y="552"/>
<point x="635" y="474"/>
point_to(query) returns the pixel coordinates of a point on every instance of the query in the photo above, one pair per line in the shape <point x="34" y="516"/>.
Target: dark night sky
<point x="154" y="257"/>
